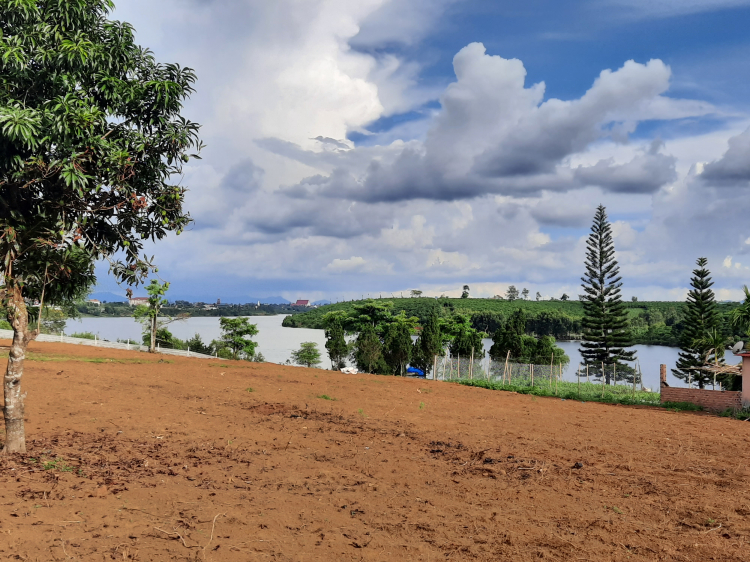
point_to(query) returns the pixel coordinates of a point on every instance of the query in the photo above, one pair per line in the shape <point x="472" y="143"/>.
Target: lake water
<point x="276" y="343"/>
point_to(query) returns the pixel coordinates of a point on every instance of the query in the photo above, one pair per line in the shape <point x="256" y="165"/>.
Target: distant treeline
<point x="120" y="309"/>
<point x="651" y="323"/>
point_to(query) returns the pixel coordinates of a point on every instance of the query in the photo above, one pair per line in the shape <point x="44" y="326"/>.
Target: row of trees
<point x="380" y="341"/>
<point x="512" y="342"/>
<point x="511" y="294"/>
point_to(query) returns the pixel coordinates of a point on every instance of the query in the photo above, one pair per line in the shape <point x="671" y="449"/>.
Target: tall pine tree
<point x="701" y="317"/>
<point x="606" y="336"/>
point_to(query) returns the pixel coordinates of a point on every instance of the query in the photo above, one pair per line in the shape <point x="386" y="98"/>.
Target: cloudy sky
<point x="362" y="147"/>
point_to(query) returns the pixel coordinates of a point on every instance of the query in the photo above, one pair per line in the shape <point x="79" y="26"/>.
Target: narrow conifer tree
<point x="606" y="336"/>
<point x="336" y="343"/>
<point x="428" y="345"/>
<point x="701" y="317"/>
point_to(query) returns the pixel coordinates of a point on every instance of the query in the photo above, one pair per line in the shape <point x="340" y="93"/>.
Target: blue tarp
<point x="415" y="371"/>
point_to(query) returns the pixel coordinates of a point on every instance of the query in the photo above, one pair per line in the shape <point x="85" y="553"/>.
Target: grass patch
<point x="682" y="406"/>
<point x="54" y="358"/>
<point x="588" y="392"/>
<point x="743" y="414"/>
<point x="83" y="335"/>
<point x="422" y="406"/>
<point x="326" y="397"/>
<point x="56" y="464"/>
<point x="249" y="389"/>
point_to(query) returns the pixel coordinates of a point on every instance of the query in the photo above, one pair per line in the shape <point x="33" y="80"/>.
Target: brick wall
<point x="714" y="400"/>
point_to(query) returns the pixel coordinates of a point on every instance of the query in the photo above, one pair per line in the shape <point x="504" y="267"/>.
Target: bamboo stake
<point x="579" y="381"/>
<point x="458" y="365"/>
<point x="556" y="378"/>
<point x="507" y="357"/>
<point x="614" y="375"/>
<point x="603" y="379"/>
<point x="532" y="375"/>
<point x="587" y="373"/>
<point x="471" y="365"/>
<point x="551" y="363"/>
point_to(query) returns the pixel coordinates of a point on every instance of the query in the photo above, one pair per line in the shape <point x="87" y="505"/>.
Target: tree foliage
<point x="90" y="135"/>
<point x="512" y="342"/>
<point x="149" y="315"/>
<point x="335" y="341"/>
<point x="428" y="345"/>
<point x="397" y="344"/>
<point x="701" y="320"/>
<point x="461" y="337"/>
<point x="367" y="351"/>
<point x="234" y="337"/>
<point x="606" y="336"/>
<point x="307" y="355"/>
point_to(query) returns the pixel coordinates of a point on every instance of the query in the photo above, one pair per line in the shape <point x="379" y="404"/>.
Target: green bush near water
<point x="84" y="335"/>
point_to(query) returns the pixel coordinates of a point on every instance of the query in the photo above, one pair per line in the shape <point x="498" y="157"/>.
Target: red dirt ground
<point x="132" y="458"/>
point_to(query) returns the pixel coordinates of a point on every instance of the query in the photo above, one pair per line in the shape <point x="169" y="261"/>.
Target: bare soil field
<point x="140" y="457"/>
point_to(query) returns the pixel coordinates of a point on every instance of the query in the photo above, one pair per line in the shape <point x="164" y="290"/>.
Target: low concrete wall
<point x="714" y="400"/>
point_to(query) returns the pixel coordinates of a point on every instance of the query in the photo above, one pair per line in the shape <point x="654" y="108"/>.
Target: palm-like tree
<point x="740" y="317"/>
<point x="716" y="344"/>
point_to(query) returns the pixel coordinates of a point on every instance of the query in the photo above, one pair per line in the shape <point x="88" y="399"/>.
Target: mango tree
<point x="90" y="135"/>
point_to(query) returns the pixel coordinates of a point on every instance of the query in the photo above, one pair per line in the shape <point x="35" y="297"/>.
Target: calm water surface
<point x="277" y="343"/>
<point x="274" y="342"/>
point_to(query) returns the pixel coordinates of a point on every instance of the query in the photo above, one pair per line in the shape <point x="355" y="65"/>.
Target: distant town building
<point x="96" y="302"/>
<point x="135" y="301"/>
<point x="302" y="303"/>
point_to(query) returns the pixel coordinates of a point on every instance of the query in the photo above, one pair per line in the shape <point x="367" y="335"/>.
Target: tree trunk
<point x="15" y="434"/>
<point x="152" y="347"/>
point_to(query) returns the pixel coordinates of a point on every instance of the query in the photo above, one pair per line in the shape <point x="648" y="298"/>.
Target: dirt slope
<point x="131" y="458"/>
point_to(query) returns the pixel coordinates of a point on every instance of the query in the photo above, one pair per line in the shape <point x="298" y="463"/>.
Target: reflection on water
<point x="276" y="343"/>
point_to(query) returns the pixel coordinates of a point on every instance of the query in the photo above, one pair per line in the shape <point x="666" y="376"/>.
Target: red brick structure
<point x="713" y="400"/>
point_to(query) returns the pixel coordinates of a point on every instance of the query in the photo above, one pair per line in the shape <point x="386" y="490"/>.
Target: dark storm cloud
<point x="644" y="174"/>
<point x="495" y="135"/>
<point x="734" y="165"/>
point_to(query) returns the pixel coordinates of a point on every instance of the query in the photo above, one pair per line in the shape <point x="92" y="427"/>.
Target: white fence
<point x="8" y="335"/>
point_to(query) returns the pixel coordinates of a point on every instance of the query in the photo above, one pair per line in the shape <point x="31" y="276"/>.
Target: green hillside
<point x="655" y="322"/>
